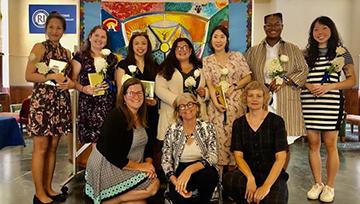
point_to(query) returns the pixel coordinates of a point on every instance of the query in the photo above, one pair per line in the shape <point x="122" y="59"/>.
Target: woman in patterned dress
<point x="323" y="102"/>
<point x="180" y="66"/>
<point x="119" y="168"/>
<point x="237" y="77"/>
<point x="93" y="109"/>
<point x="50" y="109"/>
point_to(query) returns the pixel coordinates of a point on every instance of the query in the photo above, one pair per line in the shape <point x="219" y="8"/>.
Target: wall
<point x="21" y="42"/>
<point x="298" y="15"/>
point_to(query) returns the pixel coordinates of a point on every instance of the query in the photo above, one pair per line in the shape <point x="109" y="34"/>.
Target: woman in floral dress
<point x="93" y="109"/>
<point x="231" y="69"/>
<point x="50" y="108"/>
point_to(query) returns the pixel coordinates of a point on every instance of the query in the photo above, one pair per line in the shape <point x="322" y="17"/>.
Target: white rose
<point x="105" y="52"/>
<point x="190" y="81"/>
<point x="224" y="85"/>
<point x="100" y="64"/>
<point x="132" y="68"/>
<point x="338" y="63"/>
<point x="340" y="50"/>
<point x="275" y="66"/>
<point x="284" y="58"/>
<point x="42" y="68"/>
<point x="224" y="71"/>
<point x="279" y="80"/>
<point x="196" y="73"/>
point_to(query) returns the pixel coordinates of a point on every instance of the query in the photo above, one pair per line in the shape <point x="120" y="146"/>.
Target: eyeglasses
<point x="186" y="106"/>
<point x="276" y="25"/>
<point x="182" y="48"/>
<point x="135" y="93"/>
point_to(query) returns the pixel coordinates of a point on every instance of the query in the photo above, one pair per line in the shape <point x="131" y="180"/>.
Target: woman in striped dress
<point x="322" y="100"/>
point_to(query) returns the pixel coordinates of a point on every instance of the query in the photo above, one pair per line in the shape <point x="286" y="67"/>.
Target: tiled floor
<point x="16" y="185"/>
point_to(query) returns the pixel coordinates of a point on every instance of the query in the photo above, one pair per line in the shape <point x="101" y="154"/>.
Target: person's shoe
<point x="59" y="197"/>
<point x="36" y="200"/>
<point x="327" y="195"/>
<point x="315" y="191"/>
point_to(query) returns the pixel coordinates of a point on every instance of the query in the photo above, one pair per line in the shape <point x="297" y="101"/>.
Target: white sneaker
<point x="315" y="191"/>
<point x="327" y="195"/>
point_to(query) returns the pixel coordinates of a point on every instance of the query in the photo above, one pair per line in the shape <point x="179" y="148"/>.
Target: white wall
<point x="21" y="41"/>
<point x="299" y="14"/>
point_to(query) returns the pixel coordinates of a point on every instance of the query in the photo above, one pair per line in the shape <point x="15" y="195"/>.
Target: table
<point x="10" y="134"/>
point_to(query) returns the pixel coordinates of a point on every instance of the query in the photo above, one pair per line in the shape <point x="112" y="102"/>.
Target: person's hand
<point x="183" y="193"/>
<point x="151" y="102"/>
<point x="102" y="86"/>
<point x="183" y="180"/>
<point x="275" y="87"/>
<point x="148" y="168"/>
<point x="67" y="84"/>
<point x="88" y="90"/>
<point x="58" y="77"/>
<point x="260" y="193"/>
<point x="250" y="190"/>
<point x="201" y="91"/>
<point x="320" y="90"/>
<point x="220" y="107"/>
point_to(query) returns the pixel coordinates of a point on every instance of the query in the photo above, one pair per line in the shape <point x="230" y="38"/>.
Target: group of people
<point x="202" y="141"/>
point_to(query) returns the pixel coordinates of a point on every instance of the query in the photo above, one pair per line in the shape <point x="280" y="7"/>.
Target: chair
<point x="24" y="113"/>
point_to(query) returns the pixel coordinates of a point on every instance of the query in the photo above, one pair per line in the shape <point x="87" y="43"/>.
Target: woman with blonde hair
<point x="259" y="150"/>
<point x="190" y="153"/>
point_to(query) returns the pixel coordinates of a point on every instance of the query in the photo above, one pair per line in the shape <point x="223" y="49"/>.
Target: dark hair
<point x="312" y="49"/>
<point x="224" y="30"/>
<point x="279" y="15"/>
<point x="86" y="48"/>
<point x="123" y="107"/>
<point x="171" y="62"/>
<point x="130" y="58"/>
<point x="55" y="14"/>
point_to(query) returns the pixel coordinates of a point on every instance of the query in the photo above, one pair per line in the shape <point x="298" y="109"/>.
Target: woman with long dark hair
<point x="323" y="101"/>
<point x="50" y="109"/>
<point x="180" y="72"/>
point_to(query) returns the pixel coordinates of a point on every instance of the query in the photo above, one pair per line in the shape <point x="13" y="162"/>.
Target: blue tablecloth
<point x="10" y="134"/>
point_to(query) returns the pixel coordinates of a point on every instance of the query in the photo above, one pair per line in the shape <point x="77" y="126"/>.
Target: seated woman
<point x="119" y="169"/>
<point x="259" y="144"/>
<point x="190" y="153"/>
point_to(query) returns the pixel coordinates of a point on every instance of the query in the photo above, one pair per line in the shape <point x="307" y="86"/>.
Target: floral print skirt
<point x="50" y="111"/>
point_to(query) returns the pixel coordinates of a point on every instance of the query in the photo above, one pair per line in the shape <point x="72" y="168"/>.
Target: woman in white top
<point x="190" y="153"/>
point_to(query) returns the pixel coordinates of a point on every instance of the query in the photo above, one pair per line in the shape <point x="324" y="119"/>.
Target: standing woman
<point x="93" y="109"/>
<point x="180" y="66"/>
<point x="120" y="168"/>
<point x="231" y="68"/>
<point x="139" y="54"/>
<point x="50" y="109"/>
<point x="323" y="101"/>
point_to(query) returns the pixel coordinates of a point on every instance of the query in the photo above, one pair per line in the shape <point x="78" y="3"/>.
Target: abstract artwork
<point x="166" y="21"/>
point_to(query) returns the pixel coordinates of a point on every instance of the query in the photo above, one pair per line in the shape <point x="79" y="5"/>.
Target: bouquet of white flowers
<point x="276" y="70"/>
<point x="336" y="64"/>
<point x="190" y="82"/>
<point x="223" y="82"/>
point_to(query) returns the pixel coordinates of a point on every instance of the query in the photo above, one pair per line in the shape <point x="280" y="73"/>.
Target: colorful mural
<point x="166" y="21"/>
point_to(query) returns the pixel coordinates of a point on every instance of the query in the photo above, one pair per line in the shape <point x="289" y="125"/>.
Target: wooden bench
<point x="353" y="120"/>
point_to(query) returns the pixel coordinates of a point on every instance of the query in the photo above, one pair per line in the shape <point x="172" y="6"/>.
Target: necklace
<point x="191" y="136"/>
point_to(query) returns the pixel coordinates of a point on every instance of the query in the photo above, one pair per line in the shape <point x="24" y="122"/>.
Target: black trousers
<point x="234" y="183"/>
<point x="204" y="181"/>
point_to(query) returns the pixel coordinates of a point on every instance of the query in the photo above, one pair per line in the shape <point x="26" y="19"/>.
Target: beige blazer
<point x="167" y="91"/>
<point x="289" y="105"/>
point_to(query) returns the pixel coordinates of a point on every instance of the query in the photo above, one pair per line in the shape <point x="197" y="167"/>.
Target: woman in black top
<point x="120" y="168"/>
<point x="259" y="144"/>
